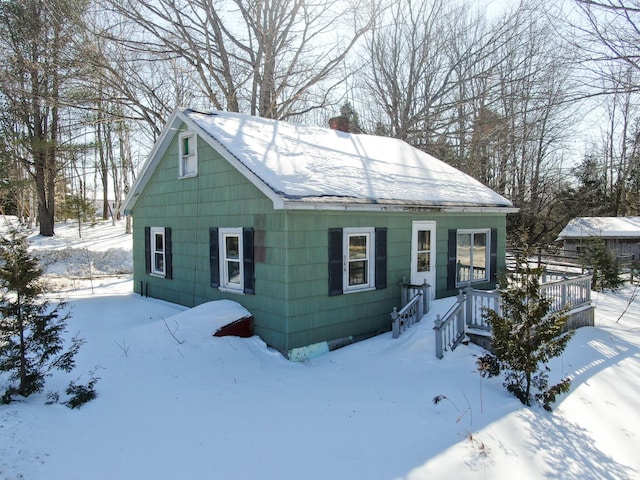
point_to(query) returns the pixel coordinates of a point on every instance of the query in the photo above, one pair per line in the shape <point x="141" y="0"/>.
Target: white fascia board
<point x="487" y="209"/>
<point x="381" y="207"/>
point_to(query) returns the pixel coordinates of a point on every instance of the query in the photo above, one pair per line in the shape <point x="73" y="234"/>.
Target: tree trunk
<point x="46" y="216"/>
<point x="23" y="352"/>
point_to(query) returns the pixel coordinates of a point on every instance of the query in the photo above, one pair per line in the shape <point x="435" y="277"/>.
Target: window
<point x="472" y="256"/>
<point x="358" y="272"/>
<point x="423" y="252"/>
<point x="231" y="259"/>
<point x="357" y="259"/>
<point x="158" y="261"/>
<point x="157" y="251"/>
<point x="188" y="155"/>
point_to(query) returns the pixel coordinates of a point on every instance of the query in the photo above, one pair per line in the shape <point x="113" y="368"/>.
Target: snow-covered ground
<point x="176" y="403"/>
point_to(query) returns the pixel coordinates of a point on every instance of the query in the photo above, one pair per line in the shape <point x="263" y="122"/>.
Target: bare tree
<point x="428" y="65"/>
<point x="607" y="35"/>
<point x="608" y="32"/>
<point x="410" y="74"/>
<point x="37" y="65"/>
<point x="534" y="99"/>
<point x="270" y="58"/>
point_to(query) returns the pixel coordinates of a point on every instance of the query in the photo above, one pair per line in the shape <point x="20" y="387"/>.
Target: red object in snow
<point x="242" y="327"/>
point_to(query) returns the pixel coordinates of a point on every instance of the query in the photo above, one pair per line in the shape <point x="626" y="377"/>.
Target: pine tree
<point x="604" y="265"/>
<point x="31" y="342"/>
<point x="525" y="336"/>
<point x="347" y="110"/>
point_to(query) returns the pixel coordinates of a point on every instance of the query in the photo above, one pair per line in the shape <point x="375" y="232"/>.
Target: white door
<point x="423" y="254"/>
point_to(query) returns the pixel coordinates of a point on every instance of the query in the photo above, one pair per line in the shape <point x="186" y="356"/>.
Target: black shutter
<point x="451" y="259"/>
<point x="147" y="250"/>
<point x="493" y="259"/>
<point x="214" y="257"/>
<point x="381" y="258"/>
<point x="168" y="258"/>
<point x="247" y="260"/>
<point x="335" y="261"/>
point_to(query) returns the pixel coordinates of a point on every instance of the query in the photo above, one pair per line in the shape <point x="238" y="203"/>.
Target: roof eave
<point x="282" y="201"/>
<point x="372" y="206"/>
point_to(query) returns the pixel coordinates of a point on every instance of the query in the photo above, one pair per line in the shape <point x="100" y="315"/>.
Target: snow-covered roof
<point x="612" y="227"/>
<point x="311" y="167"/>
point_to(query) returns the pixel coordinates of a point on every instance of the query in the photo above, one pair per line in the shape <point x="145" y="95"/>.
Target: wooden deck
<point x="461" y="317"/>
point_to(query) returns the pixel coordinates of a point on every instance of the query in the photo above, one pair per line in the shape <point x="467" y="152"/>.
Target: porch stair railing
<point x="449" y="328"/>
<point x="414" y="301"/>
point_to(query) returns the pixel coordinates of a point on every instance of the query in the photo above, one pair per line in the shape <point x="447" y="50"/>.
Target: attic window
<point x="188" y="163"/>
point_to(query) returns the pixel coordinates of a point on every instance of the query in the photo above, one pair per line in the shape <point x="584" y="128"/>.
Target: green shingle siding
<point x="291" y="304"/>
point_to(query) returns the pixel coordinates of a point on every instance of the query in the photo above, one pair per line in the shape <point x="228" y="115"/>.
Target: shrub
<point x="81" y="394"/>
<point x="525" y="335"/>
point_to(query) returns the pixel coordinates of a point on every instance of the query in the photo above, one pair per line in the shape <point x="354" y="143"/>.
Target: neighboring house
<point x="311" y="229"/>
<point x="621" y="234"/>
<point x="99" y="207"/>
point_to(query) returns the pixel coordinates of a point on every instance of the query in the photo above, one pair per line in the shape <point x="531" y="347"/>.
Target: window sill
<point x="191" y="175"/>
<point x="475" y="282"/>
<point x="357" y="290"/>
<point x="158" y="275"/>
<point x="230" y="290"/>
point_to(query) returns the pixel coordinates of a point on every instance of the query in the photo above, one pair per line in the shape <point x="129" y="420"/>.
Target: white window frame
<point x="369" y="233"/>
<point x="156" y="269"/>
<point x="225" y="283"/>
<point x="487" y="259"/>
<point x="188" y="161"/>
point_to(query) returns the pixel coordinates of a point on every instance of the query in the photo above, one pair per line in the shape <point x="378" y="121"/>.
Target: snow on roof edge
<point x="283" y="199"/>
<point x="607" y="227"/>
<point x="296" y="166"/>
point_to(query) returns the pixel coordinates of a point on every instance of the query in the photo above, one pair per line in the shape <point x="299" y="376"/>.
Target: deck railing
<point x="409" y="291"/>
<point x="569" y="293"/>
<point x="477" y="301"/>
<point x="467" y="313"/>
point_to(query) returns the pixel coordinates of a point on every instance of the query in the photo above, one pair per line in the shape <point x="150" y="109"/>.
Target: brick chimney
<point x="339" y="123"/>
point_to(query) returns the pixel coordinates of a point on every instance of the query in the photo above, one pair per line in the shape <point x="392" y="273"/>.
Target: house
<point x="311" y="229"/>
<point x="621" y="234"/>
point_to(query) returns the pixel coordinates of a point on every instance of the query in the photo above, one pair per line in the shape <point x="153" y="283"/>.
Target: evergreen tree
<point x="31" y="343"/>
<point x="591" y="195"/>
<point x="80" y="209"/>
<point x="347" y="111"/>
<point x="525" y="336"/>
<point x="604" y="266"/>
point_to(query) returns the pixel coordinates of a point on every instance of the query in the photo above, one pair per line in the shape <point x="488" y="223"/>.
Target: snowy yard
<point x="176" y="403"/>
